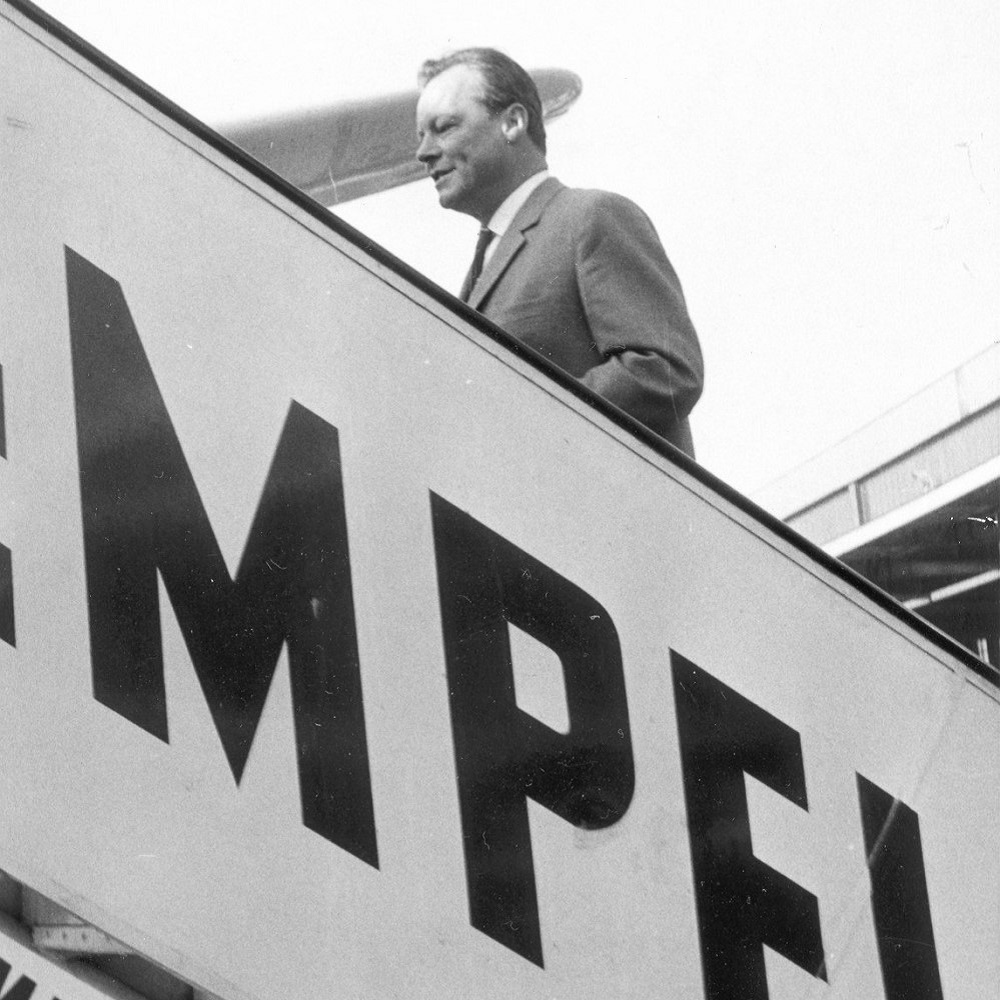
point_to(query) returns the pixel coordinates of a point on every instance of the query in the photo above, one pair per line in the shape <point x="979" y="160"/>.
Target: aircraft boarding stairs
<point x="347" y="649"/>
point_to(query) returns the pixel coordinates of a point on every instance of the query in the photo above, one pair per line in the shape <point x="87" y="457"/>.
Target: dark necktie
<point x="485" y="235"/>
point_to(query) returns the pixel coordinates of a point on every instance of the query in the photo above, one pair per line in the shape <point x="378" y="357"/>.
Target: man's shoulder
<point x="595" y="203"/>
<point x="593" y="196"/>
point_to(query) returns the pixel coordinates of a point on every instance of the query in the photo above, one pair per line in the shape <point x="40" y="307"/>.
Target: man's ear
<point x="514" y="122"/>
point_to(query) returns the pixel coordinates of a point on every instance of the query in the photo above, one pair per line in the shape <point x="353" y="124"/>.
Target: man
<point x="578" y="275"/>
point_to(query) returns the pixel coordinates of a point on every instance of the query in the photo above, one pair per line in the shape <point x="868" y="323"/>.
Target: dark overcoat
<point x="581" y="276"/>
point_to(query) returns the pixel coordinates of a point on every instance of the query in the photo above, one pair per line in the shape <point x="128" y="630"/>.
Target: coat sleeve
<point x="648" y="361"/>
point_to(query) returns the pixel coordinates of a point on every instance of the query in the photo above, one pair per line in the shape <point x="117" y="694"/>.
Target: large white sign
<point x="345" y="653"/>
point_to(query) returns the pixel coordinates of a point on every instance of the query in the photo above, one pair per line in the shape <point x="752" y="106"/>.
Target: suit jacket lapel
<point x="514" y="239"/>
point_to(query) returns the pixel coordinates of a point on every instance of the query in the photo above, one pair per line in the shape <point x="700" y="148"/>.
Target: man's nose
<point x="427" y="151"/>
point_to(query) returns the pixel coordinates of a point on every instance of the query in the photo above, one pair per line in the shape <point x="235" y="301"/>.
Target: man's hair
<point x="504" y="83"/>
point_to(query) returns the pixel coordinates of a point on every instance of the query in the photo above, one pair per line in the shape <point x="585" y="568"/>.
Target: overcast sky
<point x="824" y="176"/>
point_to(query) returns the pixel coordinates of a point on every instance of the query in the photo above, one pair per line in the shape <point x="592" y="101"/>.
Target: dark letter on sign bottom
<point x="142" y="515"/>
<point x="900" y="905"/>
<point x="503" y="754"/>
<point x="23" y="989"/>
<point x="6" y="573"/>
<point x="742" y="903"/>
<point x="6" y="597"/>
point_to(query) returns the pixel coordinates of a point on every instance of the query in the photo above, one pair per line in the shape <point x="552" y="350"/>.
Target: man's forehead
<point x="456" y="85"/>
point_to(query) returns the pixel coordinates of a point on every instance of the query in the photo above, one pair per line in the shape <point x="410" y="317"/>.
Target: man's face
<point x="462" y="144"/>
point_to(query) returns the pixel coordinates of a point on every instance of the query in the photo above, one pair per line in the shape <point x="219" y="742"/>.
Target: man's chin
<point x="448" y="197"/>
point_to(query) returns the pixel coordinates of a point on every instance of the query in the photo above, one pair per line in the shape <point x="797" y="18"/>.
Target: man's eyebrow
<point x="433" y="123"/>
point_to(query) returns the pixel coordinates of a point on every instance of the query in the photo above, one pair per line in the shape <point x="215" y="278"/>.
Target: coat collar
<point x="512" y="240"/>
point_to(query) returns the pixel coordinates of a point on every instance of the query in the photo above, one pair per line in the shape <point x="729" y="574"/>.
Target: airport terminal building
<point x="911" y="501"/>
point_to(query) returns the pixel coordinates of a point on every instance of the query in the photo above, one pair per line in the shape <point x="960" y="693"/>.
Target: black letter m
<point x="142" y="515"/>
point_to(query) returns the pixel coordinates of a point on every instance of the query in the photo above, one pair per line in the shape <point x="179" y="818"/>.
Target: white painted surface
<point x="243" y="302"/>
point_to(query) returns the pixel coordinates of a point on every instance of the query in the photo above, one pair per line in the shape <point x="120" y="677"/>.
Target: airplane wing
<point x="347" y="150"/>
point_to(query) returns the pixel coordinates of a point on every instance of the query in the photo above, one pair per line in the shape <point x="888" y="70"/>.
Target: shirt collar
<point x="502" y="218"/>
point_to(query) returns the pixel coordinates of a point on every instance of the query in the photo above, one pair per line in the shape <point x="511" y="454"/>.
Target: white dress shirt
<point x="502" y="218"/>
